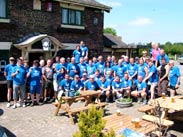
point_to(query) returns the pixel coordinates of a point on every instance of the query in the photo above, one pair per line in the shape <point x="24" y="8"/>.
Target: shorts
<point x="9" y="83"/>
<point x="18" y="89"/>
<point x="48" y="85"/>
<point x="35" y="89"/>
<point x="172" y="87"/>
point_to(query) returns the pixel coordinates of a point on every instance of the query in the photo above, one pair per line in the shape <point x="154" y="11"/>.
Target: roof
<point x="115" y="42"/>
<point x="88" y="3"/>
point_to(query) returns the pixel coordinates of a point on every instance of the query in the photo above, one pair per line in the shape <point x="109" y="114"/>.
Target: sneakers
<point x="8" y="105"/>
<point x="139" y="100"/>
<point x="14" y="106"/>
<point x="18" y="105"/>
<point x="145" y="102"/>
<point x="23" y="105"/>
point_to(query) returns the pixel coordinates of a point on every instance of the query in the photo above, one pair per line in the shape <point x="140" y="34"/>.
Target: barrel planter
<point x="123" y="102"/>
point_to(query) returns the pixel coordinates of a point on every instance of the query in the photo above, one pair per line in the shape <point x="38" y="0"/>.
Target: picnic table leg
<point x="164" y="114"/>
<point x="58" y="108"/>
<point x="71" y="118"/>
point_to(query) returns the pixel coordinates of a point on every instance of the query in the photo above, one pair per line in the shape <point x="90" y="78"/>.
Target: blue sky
<point x="146" y="20"/>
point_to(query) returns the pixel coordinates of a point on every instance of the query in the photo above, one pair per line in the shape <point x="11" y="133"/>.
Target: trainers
<point x="139" y="100"/>
<point x="114" y="98"/>
<point x="23" y="105"/>
<point x="145" y="102"/>
<point x="8" y="105"/>
<point x="14" y="106"/>
<point x="18" y="105"/>
<point x="32" y="104"/>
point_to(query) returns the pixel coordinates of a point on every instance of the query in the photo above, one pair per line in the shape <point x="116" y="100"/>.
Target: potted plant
<point x="123" y="102"/>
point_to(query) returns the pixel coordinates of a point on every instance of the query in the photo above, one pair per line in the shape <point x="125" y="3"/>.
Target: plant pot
<point x="122" y="104"/>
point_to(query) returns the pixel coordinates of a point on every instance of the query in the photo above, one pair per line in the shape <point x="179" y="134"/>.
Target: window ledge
<point x="4" y="20"/>
<point x="72" y="26"/>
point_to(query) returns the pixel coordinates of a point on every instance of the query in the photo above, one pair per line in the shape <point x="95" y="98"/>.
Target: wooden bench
<point x="146" y="109"/>
<point x="159" y="121"/>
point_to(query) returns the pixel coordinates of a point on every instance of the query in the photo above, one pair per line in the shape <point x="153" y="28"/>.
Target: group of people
<point x="140" y="78"/>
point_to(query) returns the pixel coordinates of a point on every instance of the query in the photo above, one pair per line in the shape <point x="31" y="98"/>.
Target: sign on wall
<point x="46" y="43"/>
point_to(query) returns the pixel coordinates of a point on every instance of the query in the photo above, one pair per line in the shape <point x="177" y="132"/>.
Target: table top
<point x="83" y="94"/>
<point x="168" y="104"/>
<point x="125" y="121"/>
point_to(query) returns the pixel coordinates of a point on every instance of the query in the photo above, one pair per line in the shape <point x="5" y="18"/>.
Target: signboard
<point x="46" y="43"/>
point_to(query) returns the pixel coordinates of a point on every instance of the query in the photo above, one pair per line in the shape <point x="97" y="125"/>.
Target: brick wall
<point x="24" y="20"/>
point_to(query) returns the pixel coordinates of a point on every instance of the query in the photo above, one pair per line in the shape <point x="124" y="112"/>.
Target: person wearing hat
<point x="7" y="73"/>
<point x="76" y="85"/>
<point x="19" y="79"/>
<point x="35" y="75"/>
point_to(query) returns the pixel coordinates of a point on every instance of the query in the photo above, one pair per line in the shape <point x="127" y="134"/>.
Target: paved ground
<point x="39" y="121"/>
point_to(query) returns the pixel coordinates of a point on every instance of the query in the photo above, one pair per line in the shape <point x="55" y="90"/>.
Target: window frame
<point x="75" y="19"/>
<point x="6" y="10"/>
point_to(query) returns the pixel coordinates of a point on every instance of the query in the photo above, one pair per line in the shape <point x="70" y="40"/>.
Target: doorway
<point x="34" y="56"/>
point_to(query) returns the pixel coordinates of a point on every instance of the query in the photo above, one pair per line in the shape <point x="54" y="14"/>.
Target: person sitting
<point x="116" y="88"/>
<point x="76" y="85"/>
<point x="104" y="87"/>
<point x="140" y="92"/>
<point x="91" y="84"/>
<point x="174" y="77"/>
<point x="126" y="85"/>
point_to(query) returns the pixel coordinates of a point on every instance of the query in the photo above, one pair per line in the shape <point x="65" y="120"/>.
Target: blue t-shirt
<point x="141" y="71"/>
<point x="76" y="85"/>
<point x="173" y="75"/>
<point x="132" y="69"/>
<point x="60" y="76"/>
<point x="8" y="69"/>
<point x="83" y="68"/>
<point x="159" y="58"/>
<point x="116" y="85"/>
<point x="120" y="70"/>
<point x="71" y="68"/>
<point x="125" y="64"/>
<point x="100" y="66"/>
<point x="154" y="78"/>
<point x="65" y="84"/>
<point x="84" y="50"/>
<point x="77" y="55"/>
<point x="110" y="79"/>
<point x="35" y="76"/>
<point x="59" y="66"/>
<point x="91" y="85"/>
<point x="104" y="84"/>
<point x="126" y="83"/>
<point x="20" y="78"/>
<point x="140" y="85"/>
<point x="90" y="70"/>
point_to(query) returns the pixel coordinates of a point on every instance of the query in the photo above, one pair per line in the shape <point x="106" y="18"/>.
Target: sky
<point x="146" y="21"/>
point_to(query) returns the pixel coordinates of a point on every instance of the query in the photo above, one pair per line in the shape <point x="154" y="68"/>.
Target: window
<point x="3" y="9"/>
<point x="72" y="17"/>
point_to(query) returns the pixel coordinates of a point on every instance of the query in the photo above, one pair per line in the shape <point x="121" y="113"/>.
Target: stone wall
<point x="24" y="20"/>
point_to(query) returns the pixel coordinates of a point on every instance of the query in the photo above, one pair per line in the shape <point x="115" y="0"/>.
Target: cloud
<point x="111" y="3"/>
<point x="141" y="22"/>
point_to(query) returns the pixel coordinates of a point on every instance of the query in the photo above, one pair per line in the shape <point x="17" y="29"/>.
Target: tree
<point x="111" y="31"/>
<point x="91" y="124"/>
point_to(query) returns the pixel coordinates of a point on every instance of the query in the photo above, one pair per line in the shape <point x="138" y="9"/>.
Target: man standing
<point x="19" y="78"/>
<point x="7" y="73"/>
<point x="160" y="56"/>
<point x="84" y="49"/>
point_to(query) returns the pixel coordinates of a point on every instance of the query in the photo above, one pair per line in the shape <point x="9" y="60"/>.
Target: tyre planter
<point x="121" y="103"/>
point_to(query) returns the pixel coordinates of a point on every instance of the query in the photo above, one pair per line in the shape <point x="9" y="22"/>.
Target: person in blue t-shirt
<point x="77" y="54"/>
<point x="107" y="67"/>
<point x="76" y="85"/>
<point x="82" y="66"/>
<point x="35" y="75"/>
<point x="142" y="69"/>
<point x="116" y="88"/>
<point x="160" y="56"/>
<point x="104" y="87"/>
<point x="126" y="84"/>
<point x="61" y="64"/>
<point x="152" y="77"/>
<point x="126" y="62"/>
<point x="84" y="49"/>
<point x="174" y="77"/>
<point x="90" y="68"/>
<point x="65" y="85"/>
<point x="140" y="92"/>
<point x="84" y="79"/>
<point x="7" y="73"/>
<point x="72" y="68"/>
<point x="132" y="69"/>
<point x="120" y="69"/>
<point x="19" y="79"/>
<point x="97" y="75"/>
<point x="109" y="77"/>
<point x="91" y="84"/>
<point x="100" y="65"/>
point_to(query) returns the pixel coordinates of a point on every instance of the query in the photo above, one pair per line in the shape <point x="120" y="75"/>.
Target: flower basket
<point x="123" y="102"/>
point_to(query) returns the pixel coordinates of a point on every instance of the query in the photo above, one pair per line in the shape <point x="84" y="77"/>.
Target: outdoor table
<point x="84" y="95"/>
<point x="167" y="104"/>
<point x="123" y="121"/>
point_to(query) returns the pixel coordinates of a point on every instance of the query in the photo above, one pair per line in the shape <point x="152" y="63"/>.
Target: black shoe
<point x="52" y="100"/>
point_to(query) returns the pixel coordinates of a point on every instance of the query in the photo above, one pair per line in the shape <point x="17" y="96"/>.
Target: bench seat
<point x="146" y="109"/>
<point x="157" y="120"/>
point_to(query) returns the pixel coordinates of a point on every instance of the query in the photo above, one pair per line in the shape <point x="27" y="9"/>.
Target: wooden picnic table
<point x="87" y="96"/>
<point x="118" y="123"/>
